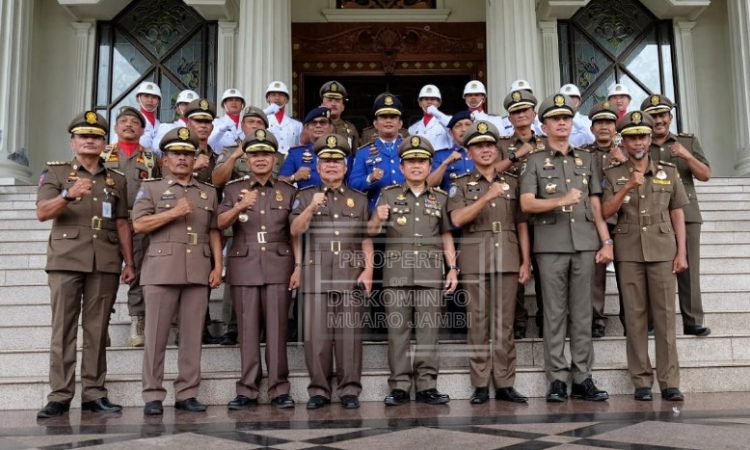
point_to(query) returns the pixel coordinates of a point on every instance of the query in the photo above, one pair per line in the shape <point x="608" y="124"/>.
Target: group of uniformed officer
<point x="519" y="194"/>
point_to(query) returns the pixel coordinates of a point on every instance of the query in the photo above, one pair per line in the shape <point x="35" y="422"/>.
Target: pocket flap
<point x="159" y="249"/>
<point x="65" y="233"/>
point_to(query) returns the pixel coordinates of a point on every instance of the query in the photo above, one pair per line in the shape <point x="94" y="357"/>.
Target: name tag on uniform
<point x="106" y="210"/>
<point x="168" y="197"/>
<point x="657" y="181"/>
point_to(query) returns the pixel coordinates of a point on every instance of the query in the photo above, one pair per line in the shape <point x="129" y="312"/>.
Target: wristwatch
<point x="64" y="195"/>
<point x="512" y="156"/>
<point x="456" y="268"/>
<point x="608" y="242"/>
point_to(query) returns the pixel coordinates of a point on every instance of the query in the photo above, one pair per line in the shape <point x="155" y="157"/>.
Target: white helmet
<point x="521" y="85"/>
<point x="148" y="87"/>
<point x="277" y="86"/>
<point x="618" y="89"/>
<point x="232" y="93"/>
<point x="186" y="96"/>
<point x="571" y="90"/>
<point x="474" y="87"/>
<point x="429" y="91"/>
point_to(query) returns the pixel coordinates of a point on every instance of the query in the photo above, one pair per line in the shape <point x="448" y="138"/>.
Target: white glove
<point x="273" y="108"/>
<point x="226" y="129"/>
<point x="432" y="109"/>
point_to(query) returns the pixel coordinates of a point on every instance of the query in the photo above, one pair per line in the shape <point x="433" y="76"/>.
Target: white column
<point x="85" y="49"/>
<point x="226" y="68"/>
<point x="512" y="48"/>
<point x="688" y="107"/>
<point x="15" y="47"/>
<point x="264" y="47"/>
<point x="550" y="58"/>
<point x="739" y="43"/>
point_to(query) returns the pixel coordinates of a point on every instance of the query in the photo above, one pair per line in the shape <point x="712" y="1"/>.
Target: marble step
<point x="218" y="388"/>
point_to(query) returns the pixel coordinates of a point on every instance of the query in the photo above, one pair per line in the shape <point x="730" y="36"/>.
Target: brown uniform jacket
<point x="489" y="244"/>
<point x="141" y="165"/>
<point x="261" y="251"/>
<point x="203" y="175"/>
<point x="346" y="129"/>
<point x="179" y="252"/>
<point x="663" y="153"/>
<point x="332" y="256"/>
<point x="644" y="230"/>
<point x="240" y="167"/>
<point x="83" y="239"/>
<point x="505" y="144"/>
<point x="550" y="174"/>
<point x="414" y="245"/>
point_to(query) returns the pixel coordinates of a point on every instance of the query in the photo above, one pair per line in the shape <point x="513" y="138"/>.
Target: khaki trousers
<point x="90" y="295"/>
<point x="689" y="281"/>
<point x="259" y="308"/>
<point x="136" y="306"/>
<point x="648" y="288"/>
<point x="189" y="303"/>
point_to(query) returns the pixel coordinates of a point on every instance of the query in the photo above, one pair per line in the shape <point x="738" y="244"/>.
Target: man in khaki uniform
<point x="514" y="153"/>
<point x="183" y="261"/>
<point x="137" y="163"/>
<point x="261" y="269"/>
<point x="417" y="238"/>
<point x="337" y="258"/>
<point x="333" y="96"/>
<point x="606" y="153"/>
<point x="647" y="197"/>
<point x="561" y="187"/>
<point x="494" y="260"/>
<point x="685" y="152"/>
<point x="89" y="238"/>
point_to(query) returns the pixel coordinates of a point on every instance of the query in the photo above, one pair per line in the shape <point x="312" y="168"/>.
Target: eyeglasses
<point x="321" y="122"/>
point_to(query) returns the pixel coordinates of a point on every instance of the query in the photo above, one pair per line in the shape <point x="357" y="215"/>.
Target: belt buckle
<point x="567" y="209"/>
<point x="96" y="223"/>
<point x="335" y="247"/>
<point x="193" y="238"/>
<point x="497" y="227"/>
<point x="261" y="236"/>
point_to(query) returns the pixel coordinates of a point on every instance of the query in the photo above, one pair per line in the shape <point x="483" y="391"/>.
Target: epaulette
<point x="57" y="163"/>
<point x="309" y="187"/>
<point x="236" y="180"/>
<point x="356" y="190"/>
<point x="666" y="163"/>
<point x="688" y="135"/>
<point x="285" y="182"/>
<point x="439" y="191"/>
<point x="150" y="179"/>
<point x="583" y="149"/>
<point x="466" y="174"/>
<point x="117" y="172"/>
<point x="206" y="183"/>
<point x="509" y="174"/>
<point x="613" y="165"/>
<point x="393" y="186"/>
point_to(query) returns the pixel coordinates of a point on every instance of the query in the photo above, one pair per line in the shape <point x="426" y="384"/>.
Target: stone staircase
<point x="720" y="362"/>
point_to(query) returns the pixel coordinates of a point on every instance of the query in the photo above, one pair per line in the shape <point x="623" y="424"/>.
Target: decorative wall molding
<point x="739" y="32"/>
<point x="684" y="51"/>
<point x="550" y="57"/>
<point x="84" y="64"/>
<point x="226" y="56"/>
<point x="221" y="10"/>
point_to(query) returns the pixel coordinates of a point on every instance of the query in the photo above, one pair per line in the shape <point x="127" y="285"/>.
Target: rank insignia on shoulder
<point x="150" y="179"/>
<point x="206" y="183"/>
<point x="117" y="172"/>
<point x="392" y="186"/>
<point x="688" y="135"/>
<point x="438" y="190"/>
<point x="57" y="163"/>
<point x="510" y="174"/>
<point x="309" y="187"/>
<point x="666" y="163"/>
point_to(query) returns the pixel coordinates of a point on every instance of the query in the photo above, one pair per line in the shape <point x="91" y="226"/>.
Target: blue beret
<point x="459" y="116"/>
<point x="320" y="111"/>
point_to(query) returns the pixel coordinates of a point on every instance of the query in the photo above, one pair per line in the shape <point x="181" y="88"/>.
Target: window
<point x="385" y="4"/>
<point x="163" y="41"/>
<point x="617" y="42"/>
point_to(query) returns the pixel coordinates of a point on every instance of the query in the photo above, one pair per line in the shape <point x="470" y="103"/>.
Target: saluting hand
<point x="678" y="150"/>
<point x="636" y="180"/>
<point x="376" y="175"/>
<point x="495" y="190"/>
<point x="572" y="197"/>
<point x="318" y="200"/>
<point x="201" y="162"/>
<point x="247" y="199"/>
<point x="455" y="156"/>
<point x="303" y="173"/>
<point x="383" y="211"/>
<point x="183" y="207"/>
<point x="81" y="187"/>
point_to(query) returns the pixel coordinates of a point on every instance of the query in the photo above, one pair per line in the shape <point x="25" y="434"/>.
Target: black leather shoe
<point x="101" y="405"/>
<point x="153" y="408"/>
<point x="283" y="401"/>
<point x="643" y="394"/>
<point x="519" y="333"/>
<point x="588" y="391"/>
<point x="558" y="392"/>
<point x="696" y="330"/>
<point x="318" y="401"/>
<point x="229" y="338"/>
<point x="432" y="397"/>
<point x="397" y="397"/>
<point x="510" y="394"/>
<point x="350" y="401"/>
<point x="192" y="405"/>
<point x="597" y="331"/>
<point x="672" y="394"/>
<point x="241" y="402"/>
<point x="480" y="395"/>
<point x="53" y="409"/>
<point x="208" y="339"/>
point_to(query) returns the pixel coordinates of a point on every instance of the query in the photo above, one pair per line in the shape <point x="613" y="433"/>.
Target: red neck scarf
<point x="128" y="147"/>
<point x="235" y="118"/>
<point x="280" y="115"/>
<point x="150" y="116"/>
<point x="426" y="119"/>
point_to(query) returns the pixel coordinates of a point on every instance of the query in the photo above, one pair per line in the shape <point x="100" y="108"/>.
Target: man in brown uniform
<point x="417" y="238"/>
<point x="685" y="152"/>
<point x="648" y="198"/>
<point x="89" y="238"/>
<point x="333" y="96"/>
<point x="179" y="214"/>
<point x="561" y="187"/>
<point x="137" y="163"/>
<point x="337" y="258"/>
<point x="517" y="148"/>
<point x="261" y="269"/>
<point x="603" y="117"/>
<point x="494" y="259"/>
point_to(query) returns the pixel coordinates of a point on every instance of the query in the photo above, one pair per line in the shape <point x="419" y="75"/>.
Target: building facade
<point x="58" y="57"/>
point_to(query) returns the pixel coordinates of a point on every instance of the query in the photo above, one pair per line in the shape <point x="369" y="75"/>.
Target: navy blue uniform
<point x="456" y="168"/>
<point x="384" y="157"/>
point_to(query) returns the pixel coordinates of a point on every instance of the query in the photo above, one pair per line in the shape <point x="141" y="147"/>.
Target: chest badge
<point x="109" y="181"/>
<point x="662" y="175"/>
<point x="401" y="220"/>
<point x="578" y="161"/>
<point x="279" y="196"/>
<point x="307" y="156"/>
<point x="551" y="188"/>
<point x="204" y="196"/>
<point x="242" y="217"/>
<point x="350" y="202"/>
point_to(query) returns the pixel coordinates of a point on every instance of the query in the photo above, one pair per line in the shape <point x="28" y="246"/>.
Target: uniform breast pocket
<point x="163" y="205"/>
<point x="550" y="184"/>
<point x="583" y="175"/>
<point x="662" y="191"/>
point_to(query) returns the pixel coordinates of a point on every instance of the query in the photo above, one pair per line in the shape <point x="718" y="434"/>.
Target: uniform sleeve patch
<point x="453" y="191"/>
<point x="43" y="177"/>
<point x="141" y="193"/>
<point x="296" y="204"/>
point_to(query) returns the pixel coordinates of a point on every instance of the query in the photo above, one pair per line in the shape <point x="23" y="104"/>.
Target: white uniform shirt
<point x="434" y="132"/>
<point x="165" y="128"/>
<point x="225" y="134"/>
<point x="287" y="133"/>
<point x="148" y="140"/>
<point x="581" y="134"/>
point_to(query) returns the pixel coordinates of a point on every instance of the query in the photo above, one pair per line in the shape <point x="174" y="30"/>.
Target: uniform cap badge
<point x="636" y="117"/>
<point x="516" y="96"/>
<point x="203" y="104"/>
<point x="655" y="99"/>
<point x="260" y="134"/>
<point x="183" y="134"/>
<point x="334" y="87"/>
<point x="482" y="127"/>
<point x="559" y="100"/>
<point x="91" y="117"/>
<point x="415" y="141"/>
<point x="331" y="142"/>
<point x="388" y="100"/>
